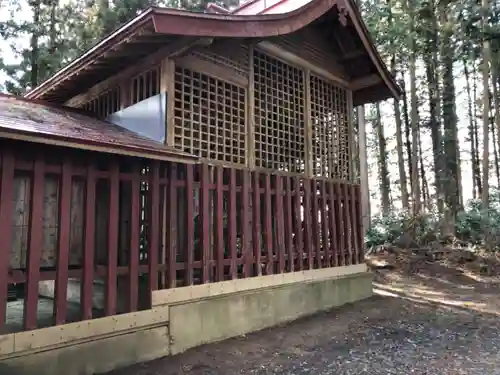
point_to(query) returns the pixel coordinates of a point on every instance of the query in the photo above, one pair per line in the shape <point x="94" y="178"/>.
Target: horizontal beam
<point x="173" y="49"/>
<point x="283" y="54"/>
<point x="366" y="81"/>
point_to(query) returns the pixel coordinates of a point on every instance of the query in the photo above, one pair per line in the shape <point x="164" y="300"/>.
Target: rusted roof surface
<point x="164" y="21"/>
<point x="43" y="122"/>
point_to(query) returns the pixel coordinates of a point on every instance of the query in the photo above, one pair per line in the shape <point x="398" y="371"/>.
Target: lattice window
<point x="279" y="115"/>
<point x="209" y="117"/>
<point x="145" y="85"/>
<point x="330" y="121"/>
<point x="105" y="104"/>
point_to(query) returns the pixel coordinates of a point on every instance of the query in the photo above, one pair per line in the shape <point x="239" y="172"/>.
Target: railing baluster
<point x="61" y="289"/>
<point x="278" y="188"/>
<point x="298" y="225"/>
<point x="219" y="223"/>
<point x="35" y="244"/>
<point x="154" y="223"/>
<point x="205" y="223"/>
<point x="172" y="227"/>
<point x="111" y="268"/>
<point x="232" y="222"/>
<point x="340" y="218"/>
<point x="324" y="224"/>
<point x="256" y="224"/>
<point x="334" y="241"/>
<point x="6" y="199"/>
<point x="316" y="228"/>
<point x="289" y="224"/>
<point x="190" y="224"/>
<point x="89" y="245"/>
<point x="268" y="229"/>
<point x="245" y="225"/>
<point x="307" y="223"/>
<point x="135" y="227"/>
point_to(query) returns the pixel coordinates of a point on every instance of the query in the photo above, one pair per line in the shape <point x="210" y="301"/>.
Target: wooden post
<point x="167" y="84"/>
<point x="363" y="171"/>
<point x="6" y="199"/>
<point x="308" y="123"/>
<point x="250" y="119"/>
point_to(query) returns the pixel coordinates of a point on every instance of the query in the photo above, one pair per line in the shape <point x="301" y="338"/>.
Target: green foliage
<point x="474" y="226"/>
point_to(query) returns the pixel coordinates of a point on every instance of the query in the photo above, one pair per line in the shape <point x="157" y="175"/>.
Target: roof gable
<point x="157" y="25"/>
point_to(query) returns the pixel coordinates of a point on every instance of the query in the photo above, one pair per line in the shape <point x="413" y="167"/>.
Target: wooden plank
<point x="308" y="248"/>
<point x="334" y="241"/>
<point x="268" y="225"/>
<point x="298" y="225"/>
<point x="250" y="118"/>
<point x="232" y="227"/>
<point x="324" y="225"/>
<point x="205" y="223"/>
<point x="112" y="258"/>
<point x="256" y="224"/>
<point x="360" y="227"/>
<point x="168" y="75"/>
<point x="6" y="202"/>
<point x="172" y="226"/>
<point x="190" y="225"/>
<point x="339" y="213"/>
<point x="347" y="223"/>
<point x="245" y="218"/>
<point x="61" y="289"/>
<point x="289" y="224"/>
<point x="135" y="227"/>
<point x="354" y="225"/>
<point x="35" y="244"/>
<point x="316" y="228"/>
<point x="219" y="223"/>
<point x="89" y="245"/>
<point x="280" y="223"/>
<point x="154" y="224"/>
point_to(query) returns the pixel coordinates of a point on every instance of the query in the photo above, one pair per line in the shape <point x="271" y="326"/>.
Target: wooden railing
<point x="132" y="224"/>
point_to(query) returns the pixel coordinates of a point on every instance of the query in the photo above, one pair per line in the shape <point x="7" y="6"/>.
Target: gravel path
<point x="418" y="326"/>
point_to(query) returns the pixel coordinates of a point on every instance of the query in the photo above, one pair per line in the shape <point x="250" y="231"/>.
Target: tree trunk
<point x="35" y="53"/>
<point x="486" y="106"/>
<point x="471" y="128"/>
<point x="382" y="163"/>
<point x="477" y="171"/>
<point x="452" y="191"/>
<point x="415" y="128"/>
<point x="407" y="131"/>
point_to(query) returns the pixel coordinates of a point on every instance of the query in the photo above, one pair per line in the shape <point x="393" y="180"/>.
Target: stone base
<point x="182" y="318"/>
<point x="218" y="318"/>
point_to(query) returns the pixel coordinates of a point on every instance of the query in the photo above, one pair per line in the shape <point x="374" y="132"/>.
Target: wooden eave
<point x="142" y="36"/>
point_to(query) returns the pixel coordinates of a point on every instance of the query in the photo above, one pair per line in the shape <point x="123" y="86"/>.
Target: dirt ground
<point x="436" y="319"/>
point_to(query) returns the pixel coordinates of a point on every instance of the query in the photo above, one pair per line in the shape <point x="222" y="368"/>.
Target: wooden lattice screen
<point x="209" y="117"/>
<point x="106" y="103"/>
<point x="330" y="138"/>
<point x="279" y="115"/>
<point x="145" y="85"/>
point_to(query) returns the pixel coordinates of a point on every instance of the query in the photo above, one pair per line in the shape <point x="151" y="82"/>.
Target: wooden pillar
<point x="308" y="120"/>
<point x="250" y="119"/>
<point x="363" y="170"/>
<point x="167" y="84"/>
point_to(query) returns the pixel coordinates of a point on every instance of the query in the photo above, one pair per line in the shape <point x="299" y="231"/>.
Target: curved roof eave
<point x="186" y="23"/>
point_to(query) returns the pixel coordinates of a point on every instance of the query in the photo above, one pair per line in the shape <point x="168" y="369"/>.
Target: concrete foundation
<point x="182" y="318"/>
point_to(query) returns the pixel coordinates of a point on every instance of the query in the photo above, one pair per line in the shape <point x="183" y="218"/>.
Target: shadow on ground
<point x="426" y="323"/>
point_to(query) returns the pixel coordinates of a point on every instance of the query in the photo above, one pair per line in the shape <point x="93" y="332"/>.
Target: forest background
<point x="433" y="156"/>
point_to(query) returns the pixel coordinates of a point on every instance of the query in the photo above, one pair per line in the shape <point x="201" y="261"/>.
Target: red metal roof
<point x="45" y="123"/>
<point x="183" y="23"/>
